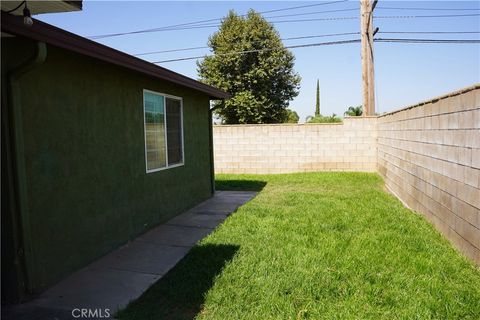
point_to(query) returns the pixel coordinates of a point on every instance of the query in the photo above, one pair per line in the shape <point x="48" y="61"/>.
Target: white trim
<point x="165" y="96"/>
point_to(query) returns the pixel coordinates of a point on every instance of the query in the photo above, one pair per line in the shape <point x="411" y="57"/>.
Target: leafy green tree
<point x="317" y="103"/>
<point x="354" y="111"/>
<point x="292" y="116"/>
<point x="262" y="81"/>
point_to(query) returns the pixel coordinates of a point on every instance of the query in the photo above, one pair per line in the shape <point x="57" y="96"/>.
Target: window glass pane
<point x="174" y="131"/>
<point x="154" y="130"/>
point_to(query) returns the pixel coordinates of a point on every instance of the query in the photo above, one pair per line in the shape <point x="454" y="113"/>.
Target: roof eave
<point x="49" y="34"/>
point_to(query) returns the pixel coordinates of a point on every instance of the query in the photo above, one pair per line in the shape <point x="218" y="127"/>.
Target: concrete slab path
<point x="123" y="275"/>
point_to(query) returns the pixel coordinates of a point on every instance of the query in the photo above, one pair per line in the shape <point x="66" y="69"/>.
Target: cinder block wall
<point x="429" y="156"/>
<point x="282" y="148"/>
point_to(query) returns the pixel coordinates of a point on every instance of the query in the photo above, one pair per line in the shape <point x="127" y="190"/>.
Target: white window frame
<point x="165" y="96"/>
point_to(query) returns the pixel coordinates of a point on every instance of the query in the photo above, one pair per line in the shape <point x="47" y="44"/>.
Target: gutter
<point x="43" y="32"/>
<point x="25" y="257"/>
<point x="212" y="157"/>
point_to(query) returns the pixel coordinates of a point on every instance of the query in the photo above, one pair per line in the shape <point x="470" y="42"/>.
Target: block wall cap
<point x="436" y="99"/>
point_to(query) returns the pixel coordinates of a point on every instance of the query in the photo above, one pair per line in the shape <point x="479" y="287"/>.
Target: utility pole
<point x="368" y="76"/>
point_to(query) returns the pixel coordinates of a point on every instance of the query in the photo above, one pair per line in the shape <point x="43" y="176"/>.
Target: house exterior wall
<point x="283" y="148"/>
<point x="429" y="156"/>
<point x="87" y="187"/>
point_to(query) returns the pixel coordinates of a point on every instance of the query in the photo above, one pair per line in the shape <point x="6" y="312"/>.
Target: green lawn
<point x="317" y="246"/>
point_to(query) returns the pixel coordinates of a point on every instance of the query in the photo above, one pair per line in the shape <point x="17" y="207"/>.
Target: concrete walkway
<point x="123" y="275"/>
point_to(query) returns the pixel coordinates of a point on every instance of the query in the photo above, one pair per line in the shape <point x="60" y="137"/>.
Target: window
<point x="163" y="131"/>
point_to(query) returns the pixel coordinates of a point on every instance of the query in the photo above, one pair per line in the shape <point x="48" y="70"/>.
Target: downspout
<point x="212" y="161"/>
<point x="25" y="257"/>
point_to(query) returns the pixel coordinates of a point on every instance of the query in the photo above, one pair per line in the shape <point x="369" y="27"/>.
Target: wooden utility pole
<point x="368" y="79"/>
<point x="371" y="73"/>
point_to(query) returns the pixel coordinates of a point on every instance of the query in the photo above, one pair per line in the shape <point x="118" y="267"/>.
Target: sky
<point x="404" y="73"/>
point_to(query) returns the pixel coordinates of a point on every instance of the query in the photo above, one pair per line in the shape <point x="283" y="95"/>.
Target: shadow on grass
<point x="180" y="293"/>
<point x="239" y="185"/>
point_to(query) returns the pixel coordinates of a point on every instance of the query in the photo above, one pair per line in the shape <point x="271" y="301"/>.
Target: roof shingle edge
<point x="44" y="32"/>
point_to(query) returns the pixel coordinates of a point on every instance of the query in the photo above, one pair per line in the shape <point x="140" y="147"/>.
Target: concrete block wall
<point x="429" y="156"/>
<point x="283" y="148"/>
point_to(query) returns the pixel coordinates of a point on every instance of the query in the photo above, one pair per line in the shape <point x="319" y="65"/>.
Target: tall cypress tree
<point x="317" y="104"/>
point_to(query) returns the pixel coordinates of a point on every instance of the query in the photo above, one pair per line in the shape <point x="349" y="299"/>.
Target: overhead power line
<point x="205" y="23"/>
<point x="380" y="17"/>
<point x="383" y="17"/>
<point x="301" y="7"/>
<point x="430" y="32"/>
<point x="169" y="50"/>
<point x="283" y="39"/>
<point x="310" y="13"/>
<point x="287" y="21"/>
<point x="282" y="9"/>
<point x="321" y="36"/>
<point x="428" y="16"/>
<point x="427" y="40"/>
<point x="316" y="36"/>
<point x="208" y="25"/>
<point x="397" y="40"/>
<point x="428" y="9"/>
<point x="265" y="50"/>
<point x="193" y="23"/>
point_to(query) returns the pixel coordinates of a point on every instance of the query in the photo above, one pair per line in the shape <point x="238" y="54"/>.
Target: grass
<point x="316" y="246"/>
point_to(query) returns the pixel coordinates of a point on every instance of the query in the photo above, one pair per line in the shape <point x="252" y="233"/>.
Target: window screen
<point x="174" y="131"/>
<point x="163" y="131"/>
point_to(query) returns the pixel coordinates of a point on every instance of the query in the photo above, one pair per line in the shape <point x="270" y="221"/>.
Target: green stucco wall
<point x="87" y="188"/>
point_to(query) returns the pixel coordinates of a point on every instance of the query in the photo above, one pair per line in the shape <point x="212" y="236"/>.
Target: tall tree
<point x="261" y="80"/>
<point x="317" y="103"/>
